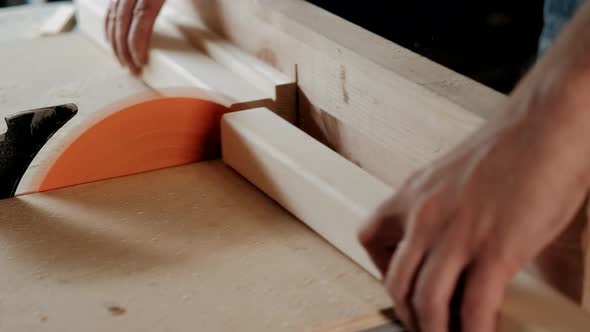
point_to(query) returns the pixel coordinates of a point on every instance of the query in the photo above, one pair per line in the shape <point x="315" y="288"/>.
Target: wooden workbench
<point x="185" y="249"/>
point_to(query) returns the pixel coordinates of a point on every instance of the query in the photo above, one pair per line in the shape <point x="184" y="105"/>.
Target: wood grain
<point x="378" y="104"/>
<point x="182" y="249"/>
<point x="61" y="21"/>
<point x="25" y="22"/>
<point x="330" y="194"/>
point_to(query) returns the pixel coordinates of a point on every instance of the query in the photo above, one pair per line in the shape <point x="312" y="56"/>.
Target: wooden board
<point x="25" y="22"/>
<point x="60" y="21"/>
<point x="334" y="197"/>
<point x="381" y="106"/>
<point x="184" y="249"/>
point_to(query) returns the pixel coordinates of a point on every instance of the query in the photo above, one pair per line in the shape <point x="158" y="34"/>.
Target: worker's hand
<point x="466" y="225"/>
<point x="129" y="25"/>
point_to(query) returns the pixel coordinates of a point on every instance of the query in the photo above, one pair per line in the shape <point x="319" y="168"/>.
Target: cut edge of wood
<point x="61" y="21"/>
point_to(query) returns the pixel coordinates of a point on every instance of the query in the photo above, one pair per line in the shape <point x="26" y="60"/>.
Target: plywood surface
<point x="61" y="69"/>
<point x="327" y="192"/>
<point x="184" y="249"/>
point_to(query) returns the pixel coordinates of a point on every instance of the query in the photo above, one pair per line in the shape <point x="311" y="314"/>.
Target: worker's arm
<point x="484" y="210"/>
<point x="128" y="26"/>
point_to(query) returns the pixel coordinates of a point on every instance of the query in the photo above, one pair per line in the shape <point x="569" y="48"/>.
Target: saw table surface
<point x="194" y="248"/>
<point x="67" y="68"/>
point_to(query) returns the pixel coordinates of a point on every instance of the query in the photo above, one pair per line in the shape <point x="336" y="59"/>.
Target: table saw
<point x="222" y="189"/>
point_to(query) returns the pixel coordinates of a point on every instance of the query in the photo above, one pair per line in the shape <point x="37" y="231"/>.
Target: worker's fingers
<point x="111" y="26"/>
<point x="385" y="229"/>
<point x="438" y="281"/>
<point x="380" y="237"/>
<point x="424" y="223"/>
<point x="484" y="292"/>
<point x="144" y="17"/>
<point x="400" y="278"/>
<point x="123" y="22"/>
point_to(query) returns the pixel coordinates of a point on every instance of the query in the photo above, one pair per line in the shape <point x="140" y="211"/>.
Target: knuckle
<point x="366" y="236"/>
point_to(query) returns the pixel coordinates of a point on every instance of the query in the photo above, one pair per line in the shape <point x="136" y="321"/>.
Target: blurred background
<point x="491" y="41"/>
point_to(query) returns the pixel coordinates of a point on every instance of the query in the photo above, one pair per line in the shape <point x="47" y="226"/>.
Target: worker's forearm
<point x="563" y="74"/>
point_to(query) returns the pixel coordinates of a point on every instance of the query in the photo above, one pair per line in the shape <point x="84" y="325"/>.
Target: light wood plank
<point x="24" y="22"/>
<point x="406" y="107"/>
<point x="61" y="21"/>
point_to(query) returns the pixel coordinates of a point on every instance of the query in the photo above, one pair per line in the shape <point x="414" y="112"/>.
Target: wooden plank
<point x="183" y="249"/>
<point x="202" y="61"/>
<point x="328" y="193"/>
<point x="61" y="21"/>
<point x="405" y="108"/>
<point x="24" y="22"/>
<point x="334" y="197"/>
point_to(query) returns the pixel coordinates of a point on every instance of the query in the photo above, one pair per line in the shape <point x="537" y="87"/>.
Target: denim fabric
<point x="557" y="14"/>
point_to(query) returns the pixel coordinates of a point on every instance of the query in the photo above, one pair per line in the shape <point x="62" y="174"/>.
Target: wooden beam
<point x="330" y="194"/>
<point x="358" y="92"/>
<point x="61" y="21"/>
<point x="334" y="197"/>
<point x="25" y="22"/>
